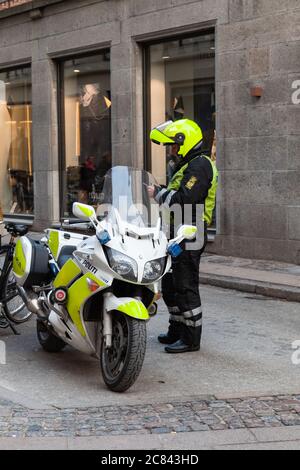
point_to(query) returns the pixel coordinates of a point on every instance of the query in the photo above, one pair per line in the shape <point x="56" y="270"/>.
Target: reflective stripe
<point x="173" y="310"/>
<point x="169" y="197"/>
<point x="192" y="313"/>
<point x="180" y="319"/>
<point x="177" y="318"/>
<point x="192" y="323"/>
<point x="160" y="194"/>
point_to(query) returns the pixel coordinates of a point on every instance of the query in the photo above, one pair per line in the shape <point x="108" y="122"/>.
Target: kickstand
<point x="15" y="332"/>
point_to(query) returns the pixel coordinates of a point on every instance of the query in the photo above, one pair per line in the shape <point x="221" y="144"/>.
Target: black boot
<point x="181" y="347"/>
<point x="189" y="341"/>
<point x="173" y="335"/>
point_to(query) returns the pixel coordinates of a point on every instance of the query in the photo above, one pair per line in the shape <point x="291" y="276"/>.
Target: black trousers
<point x="180" y="290"/>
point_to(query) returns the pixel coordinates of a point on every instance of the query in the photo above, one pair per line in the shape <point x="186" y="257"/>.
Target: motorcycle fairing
<point x="132" y="307"/>
<point x="69" y="333"/>
<point x="69" y="271"/>
<point x="57" y="239"/>
<point x="78" y="293"/>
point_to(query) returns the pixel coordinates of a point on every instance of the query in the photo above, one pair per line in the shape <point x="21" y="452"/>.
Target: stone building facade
<point x="256" y="51"/>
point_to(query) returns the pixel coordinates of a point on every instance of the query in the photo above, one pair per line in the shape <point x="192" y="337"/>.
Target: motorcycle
<point x="97" y="293"/>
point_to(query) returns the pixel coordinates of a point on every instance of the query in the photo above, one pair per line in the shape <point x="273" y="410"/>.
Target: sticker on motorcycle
<point x="89" y="266"/>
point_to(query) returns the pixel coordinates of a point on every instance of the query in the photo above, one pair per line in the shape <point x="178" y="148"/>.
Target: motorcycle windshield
<point x="125" y="192"/>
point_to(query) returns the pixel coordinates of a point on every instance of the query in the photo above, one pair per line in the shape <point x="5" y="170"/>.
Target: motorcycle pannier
<point x="31" y="263"/>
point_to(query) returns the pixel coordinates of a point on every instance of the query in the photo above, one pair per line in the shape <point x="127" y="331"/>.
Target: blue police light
<point x="53" y="268"/>
<point x="175" y="250"/>
<point x="103" y="237"/>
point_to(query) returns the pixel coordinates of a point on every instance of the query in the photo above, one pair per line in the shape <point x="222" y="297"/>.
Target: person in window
<point x="87" y="178"/>
<point x="193" y="185"/>
<point x="94" y="121"/>
<point x="178" y="108"/>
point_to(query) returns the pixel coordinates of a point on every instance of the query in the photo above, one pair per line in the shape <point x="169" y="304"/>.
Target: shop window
<point x="86" y="119"/>
<point x="181" y="84"/>
<point x="16" y="170"/>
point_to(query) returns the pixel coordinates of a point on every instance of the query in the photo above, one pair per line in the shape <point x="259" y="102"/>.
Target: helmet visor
<point x="162" y="127"/>
<point x="157" y="134"/>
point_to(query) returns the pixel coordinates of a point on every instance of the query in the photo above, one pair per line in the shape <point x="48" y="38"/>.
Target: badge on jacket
<point x="191" y="182"/>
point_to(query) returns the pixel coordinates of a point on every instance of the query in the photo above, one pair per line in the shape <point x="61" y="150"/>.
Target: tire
<point x="3" y="322"/>
<point x="122" y="366"/>
<point x="15" y="309"/>
<point x="48" y="340"/>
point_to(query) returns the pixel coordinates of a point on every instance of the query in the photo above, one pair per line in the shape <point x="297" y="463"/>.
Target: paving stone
<point x="181" y="429"/>
<point x="159" y="418"/>
<point x="195" y="426"/>
<point x="160" y="430"/>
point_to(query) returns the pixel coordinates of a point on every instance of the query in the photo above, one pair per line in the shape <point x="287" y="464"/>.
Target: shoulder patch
<point x="191" y="182"/>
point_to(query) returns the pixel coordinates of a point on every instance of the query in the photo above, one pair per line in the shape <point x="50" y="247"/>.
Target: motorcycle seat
<point x="17" y="230"/>
<point x="65" y="254"/>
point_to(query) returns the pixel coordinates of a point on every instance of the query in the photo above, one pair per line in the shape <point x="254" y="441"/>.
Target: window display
<point x="16" y="169"/>
<point x="87" y="128"/>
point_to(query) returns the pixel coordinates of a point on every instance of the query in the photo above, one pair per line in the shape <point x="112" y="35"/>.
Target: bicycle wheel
<point x="3" y="322"/>
<point x="14" y="306"/>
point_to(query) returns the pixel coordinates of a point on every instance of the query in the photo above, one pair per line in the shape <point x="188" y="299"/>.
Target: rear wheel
<point x="122" y="363"/>
<point x="48" y="340"/>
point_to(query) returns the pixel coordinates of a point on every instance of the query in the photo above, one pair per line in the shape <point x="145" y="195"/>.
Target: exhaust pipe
<point x="31" y="301"/>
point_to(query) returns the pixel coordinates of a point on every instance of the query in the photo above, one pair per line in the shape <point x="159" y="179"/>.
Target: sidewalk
<point x="269" y="278"/>
<point x="240" y="439"/>
<point x="202" y="423"/>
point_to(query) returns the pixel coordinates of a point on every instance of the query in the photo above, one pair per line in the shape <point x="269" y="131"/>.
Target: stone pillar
<point x="45" y="146"/>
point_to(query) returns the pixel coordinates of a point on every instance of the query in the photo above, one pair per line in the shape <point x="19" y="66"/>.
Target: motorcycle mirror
<point x="187" y="232"/>
<point x="83" y="211"/>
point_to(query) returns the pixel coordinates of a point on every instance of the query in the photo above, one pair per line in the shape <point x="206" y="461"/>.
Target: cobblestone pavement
<point x="203" y="414"/>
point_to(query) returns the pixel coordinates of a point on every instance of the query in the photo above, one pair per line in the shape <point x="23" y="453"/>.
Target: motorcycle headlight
<point x="123" y="265"/>
<point x="154" y="269"/>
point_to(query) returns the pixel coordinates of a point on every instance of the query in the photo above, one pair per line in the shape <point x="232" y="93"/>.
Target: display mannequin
<point x="89" y="97"/>
<point x="94" y="123"/>
<point x="178" y="108"/>
<point x="5" y="133"/>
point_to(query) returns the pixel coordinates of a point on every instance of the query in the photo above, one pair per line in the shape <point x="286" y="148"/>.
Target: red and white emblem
<point x="60" y="295"/>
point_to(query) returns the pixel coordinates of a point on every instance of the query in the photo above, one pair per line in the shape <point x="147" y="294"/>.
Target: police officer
<point x="194" y="183"/>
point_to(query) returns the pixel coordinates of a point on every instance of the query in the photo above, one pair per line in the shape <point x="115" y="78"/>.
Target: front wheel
<point x="122" y="362"/>
<point x="48" y="340"/>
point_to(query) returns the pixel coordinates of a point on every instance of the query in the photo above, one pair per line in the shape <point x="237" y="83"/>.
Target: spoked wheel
<point x="3" y="322"/>
<point x="48" y="340"/>
<point x="122" y="363"/>
<point x="14" y="306"/>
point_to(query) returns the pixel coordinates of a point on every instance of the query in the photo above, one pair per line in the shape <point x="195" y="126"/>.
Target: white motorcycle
<point x="96" y="293"/>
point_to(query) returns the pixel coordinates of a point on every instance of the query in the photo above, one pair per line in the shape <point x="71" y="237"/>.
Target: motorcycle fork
<point x="107" y="326"/>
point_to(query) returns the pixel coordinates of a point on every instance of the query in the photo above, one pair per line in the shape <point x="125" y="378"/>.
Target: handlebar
<point x="73" y="223"/>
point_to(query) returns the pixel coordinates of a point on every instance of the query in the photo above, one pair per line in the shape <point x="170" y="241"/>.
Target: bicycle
<point x="12" y="307"/>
